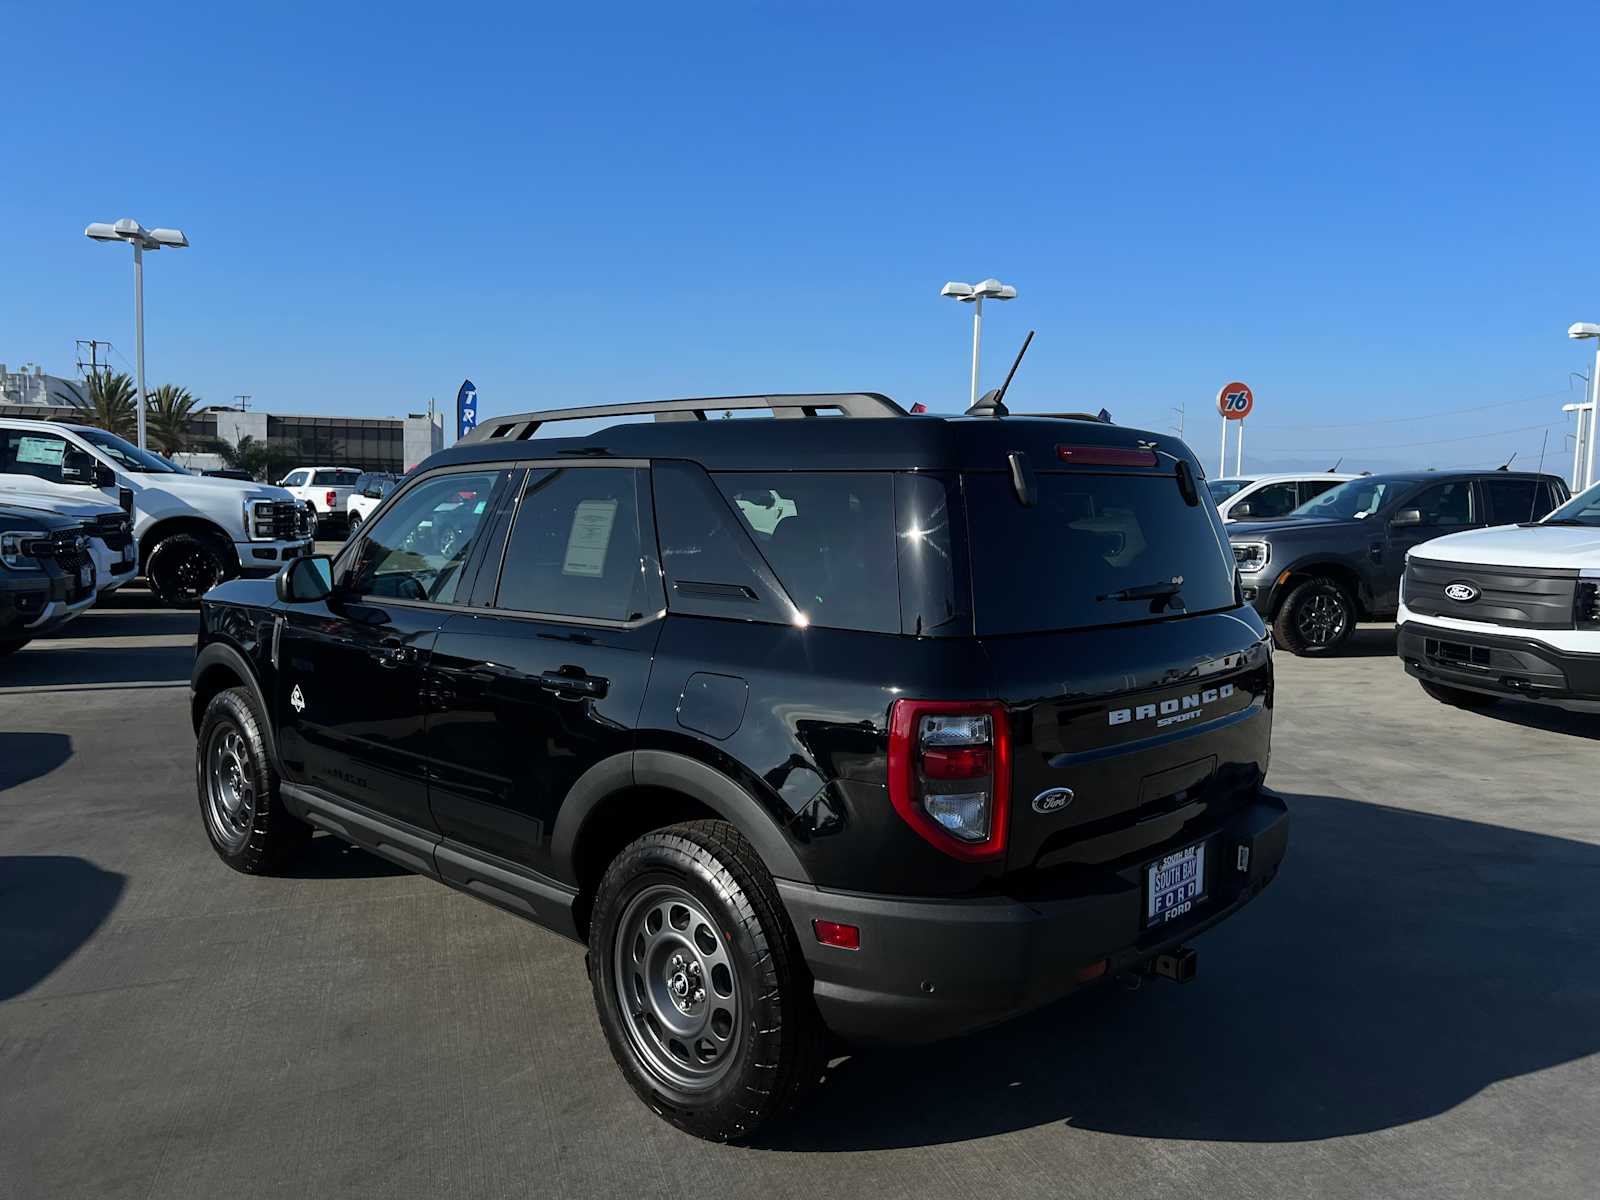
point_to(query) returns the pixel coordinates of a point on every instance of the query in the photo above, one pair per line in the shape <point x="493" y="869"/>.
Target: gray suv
<point x="1338" y="559"/>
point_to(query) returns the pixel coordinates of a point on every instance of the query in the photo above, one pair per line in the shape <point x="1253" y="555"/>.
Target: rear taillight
<point x="332" y="498"/>
<point x="950" y="773"/>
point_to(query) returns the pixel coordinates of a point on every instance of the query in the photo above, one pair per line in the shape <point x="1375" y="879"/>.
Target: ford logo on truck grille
<point x="1462" y="591"/>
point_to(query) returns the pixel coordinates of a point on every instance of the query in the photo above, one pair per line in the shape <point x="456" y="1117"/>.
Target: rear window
<point x="1061" y="563"/>
<point x="334" y="478"/>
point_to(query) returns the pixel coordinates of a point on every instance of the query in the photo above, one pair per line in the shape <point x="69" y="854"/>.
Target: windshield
<point x="1221" y="489"/>
<point x="1582" y="509"/>
<point x="1350" y="501"/>
<point x="126" y="454"/>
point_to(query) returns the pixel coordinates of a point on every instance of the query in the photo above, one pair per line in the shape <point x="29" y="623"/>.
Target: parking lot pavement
<point x="1412" y="1009"/>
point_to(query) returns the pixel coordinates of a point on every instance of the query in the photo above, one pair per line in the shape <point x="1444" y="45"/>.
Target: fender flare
<point x="678" y="773"/>
<point x="220" y="654"/>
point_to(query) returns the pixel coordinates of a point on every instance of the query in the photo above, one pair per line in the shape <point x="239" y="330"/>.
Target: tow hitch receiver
<point x="1179" y="966"/>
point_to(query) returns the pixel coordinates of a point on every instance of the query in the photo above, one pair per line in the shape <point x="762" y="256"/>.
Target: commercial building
<point x="30" y="387"/>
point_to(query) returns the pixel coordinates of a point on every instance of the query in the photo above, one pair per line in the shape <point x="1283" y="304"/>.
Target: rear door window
<point x="1310" y="489"/>
<point x="829" y="537"/>
<point x="1513" y="500"/>
<point x="1065" y="562"/>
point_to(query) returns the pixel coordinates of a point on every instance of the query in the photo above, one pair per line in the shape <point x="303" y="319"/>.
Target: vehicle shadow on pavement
<point x="49" y="906"/>
<point x="328" y="857"/>
<point x="42" y="666"/>
<point x="1400" y="963"/>
<point x="25" y="756"/>
<point x="1542" y="716"/>
<point x="1369" y="641"/>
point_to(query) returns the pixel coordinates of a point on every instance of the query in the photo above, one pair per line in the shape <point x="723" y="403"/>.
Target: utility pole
<point x="94" y="356"/>
<point x="1179" y="410"/>
<point x="244" y="402"/>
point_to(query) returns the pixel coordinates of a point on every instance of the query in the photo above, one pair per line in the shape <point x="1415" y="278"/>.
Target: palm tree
<point x="264" y="462"/>
<point x="167" y="417"/>
<point x="109" y="402"/>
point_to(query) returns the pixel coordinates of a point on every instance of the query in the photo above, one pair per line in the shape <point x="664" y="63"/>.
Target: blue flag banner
<point x="466" y="409"/>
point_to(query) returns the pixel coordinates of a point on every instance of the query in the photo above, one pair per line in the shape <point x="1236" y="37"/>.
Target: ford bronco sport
<point x="882" y="725"/>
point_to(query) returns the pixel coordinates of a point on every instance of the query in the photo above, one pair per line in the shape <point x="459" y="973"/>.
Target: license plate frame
<point x="1175" y="884"/>
<point x="86" y="576"/>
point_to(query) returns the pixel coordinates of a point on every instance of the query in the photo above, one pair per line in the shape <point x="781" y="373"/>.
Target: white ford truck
<point x="324" y="490"/>
<point x="191" y="531"/>
<point x="1511" y="611"/>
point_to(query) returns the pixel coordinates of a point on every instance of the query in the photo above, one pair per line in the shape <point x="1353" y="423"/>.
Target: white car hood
<point x="60" y="505"/>
<point x="1517" y="546"/>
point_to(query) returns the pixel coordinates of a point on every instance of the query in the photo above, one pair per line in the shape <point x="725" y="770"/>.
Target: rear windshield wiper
<point x="1147" y="591"/>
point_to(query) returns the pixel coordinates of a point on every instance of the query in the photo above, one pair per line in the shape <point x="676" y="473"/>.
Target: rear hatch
<point x="1138" y="688"/>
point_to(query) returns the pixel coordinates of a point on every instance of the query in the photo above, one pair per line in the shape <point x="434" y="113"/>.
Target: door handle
<point x="1375" y="552"/>
<point x="574" y="686"/>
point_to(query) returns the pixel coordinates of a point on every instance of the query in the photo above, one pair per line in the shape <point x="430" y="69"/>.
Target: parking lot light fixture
<point x="1578" y="331"/>
<point x="975" y="294"/>
<point x="141" y="239"/>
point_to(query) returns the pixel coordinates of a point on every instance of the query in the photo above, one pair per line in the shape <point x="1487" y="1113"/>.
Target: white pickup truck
<point x="191" y="531"/>
<point x="108" y="528"/>
<point x="1511" y="611"/>
<point x="323" y="490"/>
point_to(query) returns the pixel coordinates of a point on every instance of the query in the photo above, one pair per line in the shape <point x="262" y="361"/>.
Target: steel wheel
<point x="230" y="790"/>
<point x="1321" y="618"/>
<point x="677" y="987"/>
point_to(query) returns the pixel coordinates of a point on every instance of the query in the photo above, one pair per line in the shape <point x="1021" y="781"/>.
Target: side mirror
<point x="1407" y="516"/>
<point x="1240" y="511"/>
<point x="76" y="466"/>
<point x="306" y="580"/>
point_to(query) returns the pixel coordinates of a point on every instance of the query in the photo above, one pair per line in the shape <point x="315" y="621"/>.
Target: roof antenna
<point x="1506" y="466"/>
<point x="992" y="403"/>
<point x="1335" y="466"/>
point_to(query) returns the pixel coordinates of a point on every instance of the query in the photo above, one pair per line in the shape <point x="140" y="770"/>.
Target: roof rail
<point x="516" y="426"/>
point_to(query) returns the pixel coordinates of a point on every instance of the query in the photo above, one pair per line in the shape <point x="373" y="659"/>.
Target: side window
<point x="1310" y="489"/>
<point x="1272" y="501"/>
<point x="576" y="549"/>
<point x="295" y="479"/>
<point x="829" y="537"/>
<point x="1549" y="498"/>
<point x="1513" y="500"/>
<point x="1445" y="504"/>
<point x="420" y="547"/>
<point x="712" y="567"/>
<point x="37" y="454"/>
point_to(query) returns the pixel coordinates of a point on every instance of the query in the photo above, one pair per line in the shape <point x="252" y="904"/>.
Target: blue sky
<point x="1369" y="213"/>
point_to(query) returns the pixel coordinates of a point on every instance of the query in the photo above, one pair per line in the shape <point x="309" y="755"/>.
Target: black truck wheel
<point x="701" y="989"/>
<point x="248" y="826"/>
<point x="1315" y="619"/>
<point x="183" y="567"/>
<point x="1458" y="697"/>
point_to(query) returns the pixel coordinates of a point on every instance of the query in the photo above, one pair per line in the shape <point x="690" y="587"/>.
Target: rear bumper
<point x="1499" y="664"/>
<point x="930" y="969"/>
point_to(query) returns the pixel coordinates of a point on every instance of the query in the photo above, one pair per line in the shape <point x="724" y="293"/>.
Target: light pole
<point x="141" y="239"/>
<point x="1579" y="330"/>
<point x="975" y="294"/>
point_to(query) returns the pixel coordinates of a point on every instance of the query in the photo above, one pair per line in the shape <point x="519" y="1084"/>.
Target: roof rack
<point x="516" y="426"/>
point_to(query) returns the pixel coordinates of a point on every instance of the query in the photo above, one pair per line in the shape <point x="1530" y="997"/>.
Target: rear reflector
<point x="1106" y="456"/>
<point x="1093" y="970"/>
<point x="831" y="933"/>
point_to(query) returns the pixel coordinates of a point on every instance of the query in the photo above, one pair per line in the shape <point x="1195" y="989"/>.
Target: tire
<point x="244" y="817"/>
<point x="352" y="526"/>
<point x="183" y="567"/>
<point x="1458" y="697"/>
<point x="754" y="1015"/>
<point x="1316" y="618"/>
<point x="12" y="645"/>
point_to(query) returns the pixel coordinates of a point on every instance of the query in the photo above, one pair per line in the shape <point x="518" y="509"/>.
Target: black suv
<point x="46" y="573"/>
<point x="891" y="726"/>
<point x="1338" y="559"/>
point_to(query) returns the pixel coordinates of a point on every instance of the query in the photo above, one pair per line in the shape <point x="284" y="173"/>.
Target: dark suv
<point x="1338" y="559"/>
<point x="46" y="573"/>
<point x="891" y="726"/>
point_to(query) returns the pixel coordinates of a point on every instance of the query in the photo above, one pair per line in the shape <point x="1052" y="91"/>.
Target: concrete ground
<point x="1413" y="1009"/>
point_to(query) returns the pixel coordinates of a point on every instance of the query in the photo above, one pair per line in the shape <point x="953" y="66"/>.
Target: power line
<point x="1448" y="412"/>
<point x="1371" y="446"/>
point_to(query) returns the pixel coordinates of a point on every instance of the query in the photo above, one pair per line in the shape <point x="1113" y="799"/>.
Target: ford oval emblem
<point x="1052" y="801"/>
<point x="1461" y="591"/>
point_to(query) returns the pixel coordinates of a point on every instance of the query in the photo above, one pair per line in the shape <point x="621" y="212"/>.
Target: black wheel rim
<point x="192" y="575"/>
<point x="1321" y="619"/>
<point x="676" y="988"/>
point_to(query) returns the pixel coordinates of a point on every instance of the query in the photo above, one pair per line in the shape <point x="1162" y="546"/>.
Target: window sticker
<point x="45" y="451"/>
<point x="591" y="534"/>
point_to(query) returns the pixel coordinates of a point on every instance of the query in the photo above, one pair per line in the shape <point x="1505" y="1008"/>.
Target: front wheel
<point x="353" y="526"/>
<point x="1316" y="619"/>
<point x="182" y="568"/>
<point x="244" y="817"/>
<point x="1458" y="697"/>
<point x="700" y="986"/>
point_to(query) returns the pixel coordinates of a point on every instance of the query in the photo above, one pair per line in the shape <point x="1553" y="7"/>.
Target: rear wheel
<point x="354" y="526"/>
<point x="182" y="568"/>
<point x="1316" y="618"/>
<point x="701" y="989"/>
<point x="244" y="817"/>
<point x="1458" y="697"/>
